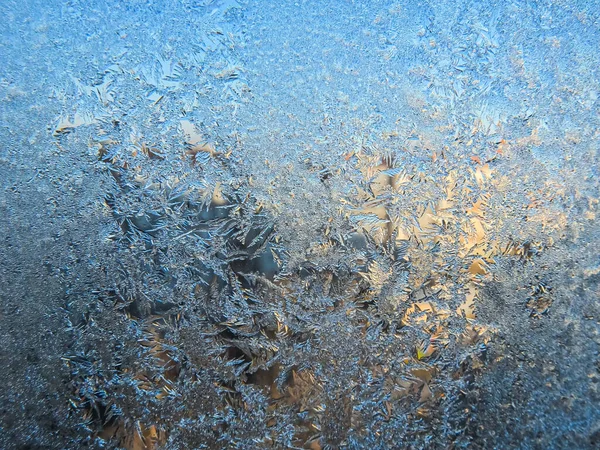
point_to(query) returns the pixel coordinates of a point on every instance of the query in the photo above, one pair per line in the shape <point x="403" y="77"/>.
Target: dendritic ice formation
<point x="223" y="331"/>
<point x="292" y="266"/>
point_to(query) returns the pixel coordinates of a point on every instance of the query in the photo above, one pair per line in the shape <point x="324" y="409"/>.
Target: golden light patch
<point x="467" y="308"/>
<point x="196" y="142"/>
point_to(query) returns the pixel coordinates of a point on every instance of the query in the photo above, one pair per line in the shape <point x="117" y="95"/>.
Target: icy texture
<point x="304" y="224"/>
